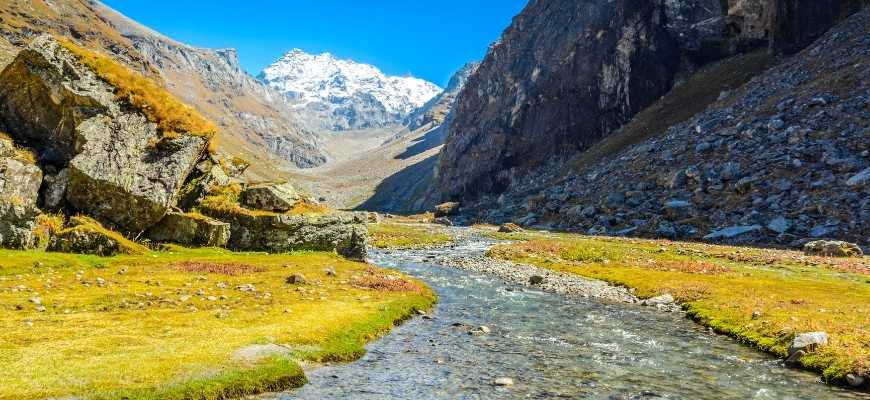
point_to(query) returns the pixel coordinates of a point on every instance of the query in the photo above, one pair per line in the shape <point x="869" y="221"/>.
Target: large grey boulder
<point x="20" y="177"/>
<point x="832" y="248"/>
<point x="58" y="106"/>
<point x="271" y="197"/>
<point x="344" y="233"/>
<point x="191" y="229"/>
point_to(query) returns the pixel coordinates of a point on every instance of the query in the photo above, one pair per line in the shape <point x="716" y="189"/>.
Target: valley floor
<point x="192" y="324"/>
<point x="761" y="297"/>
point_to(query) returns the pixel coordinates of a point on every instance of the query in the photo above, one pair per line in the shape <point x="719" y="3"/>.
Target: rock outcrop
<point x="53" y="103"/>
<point x="190" y="229"/>
<point x="271" y="197"/>
<point x="344" y="233"/>
<point x="87" y="236"/>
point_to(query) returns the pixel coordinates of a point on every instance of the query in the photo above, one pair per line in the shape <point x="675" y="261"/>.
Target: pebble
<point x="504" y="381"/>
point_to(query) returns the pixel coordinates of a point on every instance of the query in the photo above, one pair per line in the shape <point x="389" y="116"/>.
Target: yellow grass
<point x="721" y="287"/>
<point x="405" y="235"/>
<point x="169" y="325"/>
<point x="172" y="117"/>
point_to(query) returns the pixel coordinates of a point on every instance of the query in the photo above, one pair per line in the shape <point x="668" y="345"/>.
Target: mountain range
<point x="337" y="94"/>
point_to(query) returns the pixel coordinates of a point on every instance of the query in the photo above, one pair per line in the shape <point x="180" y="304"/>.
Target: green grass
<point x="721" y="287"/>
<point x="145" y="333"/>
<point x="406" y="236"/>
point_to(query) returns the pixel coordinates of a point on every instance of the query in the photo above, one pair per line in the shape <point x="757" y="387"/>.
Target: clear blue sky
<point x="427" y="39"/>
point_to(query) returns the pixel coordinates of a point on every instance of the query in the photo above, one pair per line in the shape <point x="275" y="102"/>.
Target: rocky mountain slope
<point x="435" y="110"/>
<point x="568" y="73"/>
<point x="336" y="94"/>
<point x="256" y="123"/>
<point x="781" y="159"/>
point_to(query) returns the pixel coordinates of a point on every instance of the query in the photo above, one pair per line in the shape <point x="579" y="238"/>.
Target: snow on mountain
<point x="336" y="94"/>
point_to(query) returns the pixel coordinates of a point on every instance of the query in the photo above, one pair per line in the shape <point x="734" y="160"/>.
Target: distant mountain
<point x="435" y="111"/>
<point x="335" y="94"/>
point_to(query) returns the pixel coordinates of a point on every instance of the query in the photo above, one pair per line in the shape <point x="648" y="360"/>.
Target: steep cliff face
<point x="563" y="74"/>
<point x="568" y="73"/>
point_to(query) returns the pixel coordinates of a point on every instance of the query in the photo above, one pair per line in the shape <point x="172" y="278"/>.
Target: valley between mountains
<point x="620" y="199"/>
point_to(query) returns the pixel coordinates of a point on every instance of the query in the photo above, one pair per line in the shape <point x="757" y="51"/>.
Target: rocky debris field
<point x="784" y="159"/>
<point x="542" y="279"/>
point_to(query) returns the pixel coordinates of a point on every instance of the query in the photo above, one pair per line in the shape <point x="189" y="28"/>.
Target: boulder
<point x="20" y="177"/>
<point x="344" y="233"/>
<point x="832" y="248"/>
<point x="70" y="116"/>
<point x="271" y="197"/>
<point x="18" y="225"/>
<point x="190" y="229"/>
<point x="733" y="232"/>
<point x="808" y="342"/>
<point x="509" y="228"/>
<point x="443" y="221"/>
<point x="446" y="209"/>
<point x="207" y="176"/>
<point x="87" y="236"/>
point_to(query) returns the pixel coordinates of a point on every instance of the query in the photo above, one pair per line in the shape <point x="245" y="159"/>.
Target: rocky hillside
<point x="568" y="73"/>
<point x="94" y="146"/>
<point x="336" y="95"/>
<point x="781" y="159"/>
<point x="435" y="111"/>
<point x="257" y="125"/>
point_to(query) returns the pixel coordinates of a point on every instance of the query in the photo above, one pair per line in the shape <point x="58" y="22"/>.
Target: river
<point x="552" y="346"/>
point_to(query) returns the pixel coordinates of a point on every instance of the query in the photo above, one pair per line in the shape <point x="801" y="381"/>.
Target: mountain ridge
<point x="338" y="94"/>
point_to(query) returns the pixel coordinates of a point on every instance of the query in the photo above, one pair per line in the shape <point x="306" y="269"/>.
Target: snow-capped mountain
<point x="336" y="94"/>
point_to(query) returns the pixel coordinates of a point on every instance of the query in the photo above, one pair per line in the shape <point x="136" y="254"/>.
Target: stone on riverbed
<point x="504" y="381"/>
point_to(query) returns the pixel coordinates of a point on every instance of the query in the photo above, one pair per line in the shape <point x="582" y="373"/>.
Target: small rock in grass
<point x="296" y="279"/>
<point x="40" y="308"/>
<point x="184" y="298"/>
<point x="855" y="380"/>
<point x="503" y="381"/>
<point x="36" y="300"/>
<point x="808" y="341"/>
<point x="756" y="314"/>
<point x="510" y="228"/>
<point x="330" y="271"/>
<point x="211" y="298"/>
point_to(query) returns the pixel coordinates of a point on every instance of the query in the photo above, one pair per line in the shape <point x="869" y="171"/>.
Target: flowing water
<point x="552" y="347"/>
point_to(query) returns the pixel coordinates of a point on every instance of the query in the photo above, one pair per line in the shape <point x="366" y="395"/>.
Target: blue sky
<point x="427" y="39"/>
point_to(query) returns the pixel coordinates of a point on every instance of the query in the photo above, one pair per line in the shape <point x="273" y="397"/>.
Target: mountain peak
<point x="354" y="95"/>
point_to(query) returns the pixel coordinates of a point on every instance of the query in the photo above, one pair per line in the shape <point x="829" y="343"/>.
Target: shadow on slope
<point x="399" y="192"/>
<point x="430" y="140"/>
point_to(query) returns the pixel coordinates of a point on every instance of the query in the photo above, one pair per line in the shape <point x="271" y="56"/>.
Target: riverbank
<point x="762" y="297"/>
<point x="187" y="324"/>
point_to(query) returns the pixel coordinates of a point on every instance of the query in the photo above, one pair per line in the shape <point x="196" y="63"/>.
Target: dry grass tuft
<point x="382" y="282"/>
<point x="229" y="269"/>
<point x="173" y="118"/>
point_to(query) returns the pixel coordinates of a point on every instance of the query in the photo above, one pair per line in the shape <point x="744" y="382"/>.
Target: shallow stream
<point x="552" y="346"/>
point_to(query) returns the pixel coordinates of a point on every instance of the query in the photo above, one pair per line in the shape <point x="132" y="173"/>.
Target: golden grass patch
<point x="169" y="325"/>
<point x="405" y="236"/>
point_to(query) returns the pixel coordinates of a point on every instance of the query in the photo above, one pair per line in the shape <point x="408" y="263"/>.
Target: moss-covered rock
<point x="191" y="229"/>
<point x="271" y="197"/>
<point x="87" y="236"/>
<point x="125" y="166"/>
